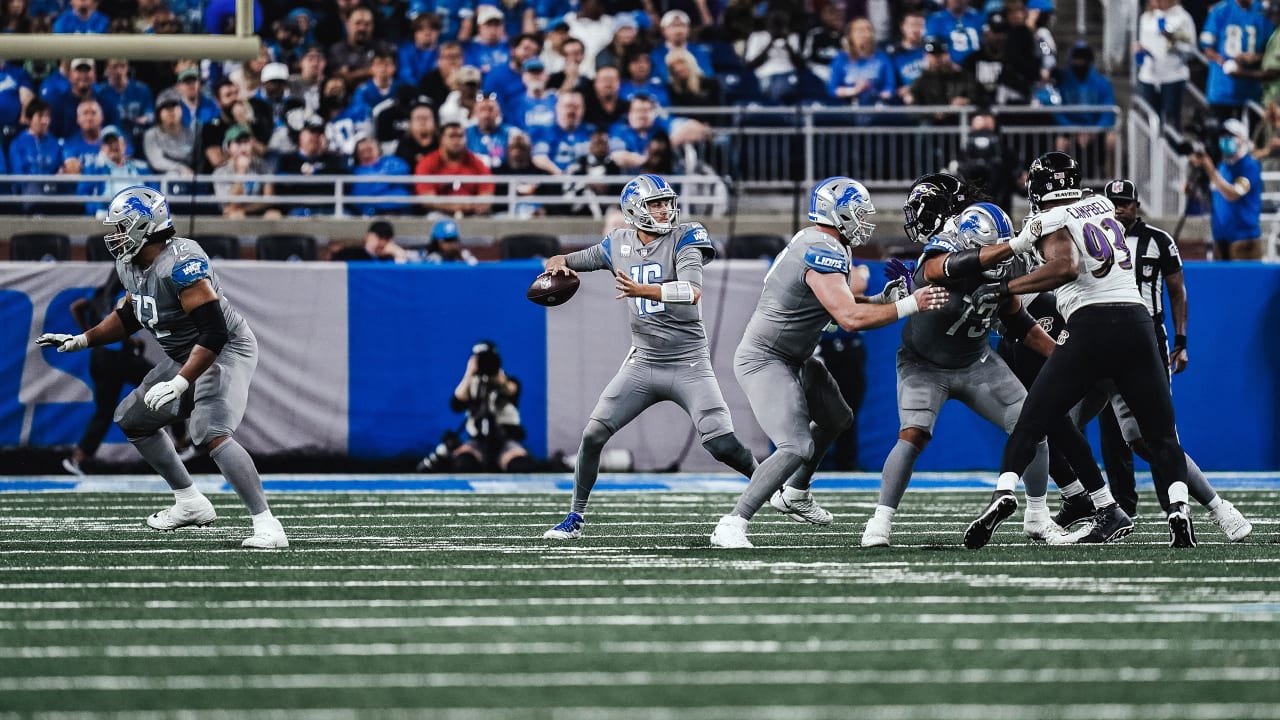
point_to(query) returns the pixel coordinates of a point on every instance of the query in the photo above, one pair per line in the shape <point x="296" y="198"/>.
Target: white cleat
<point x="1236" y="526"/>
<point x="799" y="506"/>
<point x="731" y="532"/>
<point x="73" y="467"/>
<point x="877" y="532"/>
<point x="1039" y="525"/>
<point x="269" y="536"/>
<point x="199" y="513"/>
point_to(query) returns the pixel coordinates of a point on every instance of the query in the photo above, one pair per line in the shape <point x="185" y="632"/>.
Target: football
<point x="552" y="290"/>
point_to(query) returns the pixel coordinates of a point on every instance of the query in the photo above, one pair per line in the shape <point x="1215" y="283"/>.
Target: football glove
<point x="991" y="292"/>
<point x="894" y="290"/>
<point x="163" y="393"/>
<point x="895" y="269"/>
<point x="64" y="343"/>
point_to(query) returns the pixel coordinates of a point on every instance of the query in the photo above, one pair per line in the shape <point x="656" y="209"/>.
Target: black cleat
<point x="1073" y="510"/>
<point x="1109" y="525"/>
<point x="1002" y="507"/>
<point x="1181" y="533"/>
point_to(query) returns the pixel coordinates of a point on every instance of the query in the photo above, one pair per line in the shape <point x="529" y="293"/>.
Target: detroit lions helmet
<point x="984" y="224"/>
<point x="136" y="212"/>
<point x="932" y="200"/>
<point x="844" y="204"/>
<point x="636" y="197"/>
<point x="1053" y="176"/>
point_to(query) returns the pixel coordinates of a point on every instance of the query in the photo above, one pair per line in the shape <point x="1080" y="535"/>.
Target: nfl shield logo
<point x="1117" y="187"/>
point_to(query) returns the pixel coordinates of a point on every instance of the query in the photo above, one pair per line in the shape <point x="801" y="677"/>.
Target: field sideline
<point x="448" y="604"/>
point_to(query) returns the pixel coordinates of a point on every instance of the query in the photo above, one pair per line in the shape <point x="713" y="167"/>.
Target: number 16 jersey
<point x="1106" y="263"/>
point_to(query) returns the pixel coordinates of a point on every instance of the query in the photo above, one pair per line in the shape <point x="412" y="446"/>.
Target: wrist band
<point x="907" y="306"/>
<point x="1179" y="342"/>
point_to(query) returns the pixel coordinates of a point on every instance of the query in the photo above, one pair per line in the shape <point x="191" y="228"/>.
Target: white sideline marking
<point x="639" y="678"/>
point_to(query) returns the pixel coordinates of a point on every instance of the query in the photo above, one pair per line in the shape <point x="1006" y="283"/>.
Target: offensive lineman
<point x="793" y="396"/>
<point x="1109" y="336"/>
<point x="657" y="264"/>
<point x="211" y="351"/>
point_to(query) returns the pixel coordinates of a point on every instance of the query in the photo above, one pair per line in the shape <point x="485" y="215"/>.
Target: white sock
<point x="1072" y="490"/>
<point x="187" y="494"/>
<point x="1178" y="492"/>
<point x="1215" y="503"/>
<point x="885" y="512"/>
<point x="1102" y="498"/>
<point x="794" y="493"/>
<point x="1036" y="503"/>
<point x="263" y="518"/>
<point x="1007" y="482"/>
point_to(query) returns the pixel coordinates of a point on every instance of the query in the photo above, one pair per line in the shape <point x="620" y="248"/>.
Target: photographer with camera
<point x="1236" y="184"/>
<point x="489" y="397"/>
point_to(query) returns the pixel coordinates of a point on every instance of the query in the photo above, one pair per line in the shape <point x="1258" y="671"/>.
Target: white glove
<point x="64" y="343"/>
<point x="894" y="290"/>
<point x="163" y="393"/>
<point x="1023" y="243"/>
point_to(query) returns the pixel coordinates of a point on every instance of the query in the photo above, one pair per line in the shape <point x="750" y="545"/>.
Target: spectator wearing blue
<point x="536" y="108"/>
<point x="16" y="90"/>
<point x="220" y="17"/>
<point x="286" y="43"/>
<point x="36" y="152"/>
<point x="638" y="78"/>
<point x="80" y="151"/>
<point x="383" y="84"/>
<point x="960" y="24"/>
<point x="862" y="75"/>
<point x="507" y="80"/>
<point x="113" y="171"/>
<point x="488" y="135"/>
<point x="197" y="108"/>
<point x="369" y="160"/>
<point x="64" y="104"/>
<point x="489" y="48"/>
<point x="418" y="54"/>
<point x="629" y="139"/>
<point x="131" y="101"/>
<point x="1236" y="184"/>
<point x="457" y="17"/>
<point x="909" y="53"/>
<point x="1234" y="35"/>
<point x="446" y="245"/>
<point x="675" y="36"/>
<point x="82" y="16"/>
<point x="555" y="148"/>
<point x="1082" y="84"/>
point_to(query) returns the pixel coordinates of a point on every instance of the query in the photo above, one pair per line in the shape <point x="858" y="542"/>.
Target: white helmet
<point x="984" y="224"/>
<point x="844" y="204"/>
<point x="136" y="212"/>
<point x="636" y="197"/>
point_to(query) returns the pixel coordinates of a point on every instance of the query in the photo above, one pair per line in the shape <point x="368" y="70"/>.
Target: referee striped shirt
<point x="1156" y="257"/>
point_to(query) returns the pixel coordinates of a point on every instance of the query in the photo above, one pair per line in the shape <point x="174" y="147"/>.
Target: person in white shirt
<point x="1166" y="34"/>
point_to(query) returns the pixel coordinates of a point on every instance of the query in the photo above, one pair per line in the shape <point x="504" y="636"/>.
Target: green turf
<point x="451" y="605"/>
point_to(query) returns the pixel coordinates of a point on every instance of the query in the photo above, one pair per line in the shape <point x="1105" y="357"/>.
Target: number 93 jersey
<point x="1106" y="263"/>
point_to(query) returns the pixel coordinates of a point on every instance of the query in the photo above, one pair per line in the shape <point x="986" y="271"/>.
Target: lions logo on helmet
<point x="635" y="200"/>
<point x="982" y="225"/>
<point x="137" y="213"/>
<point x="844" y="204"/>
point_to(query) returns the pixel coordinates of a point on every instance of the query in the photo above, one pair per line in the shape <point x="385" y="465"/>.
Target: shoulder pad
<point x="942" y="243"/>
<point x="825" y="259"/>
<point x="1047" y="222"/>
<point x="693" y="235"/>
<point x="189" y="271"/>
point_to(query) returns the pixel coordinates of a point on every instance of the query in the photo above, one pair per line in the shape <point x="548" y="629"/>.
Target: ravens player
<point x="946" y="355"/>
<point x="211" y="352"/>
<point x="792" y="394"/>
<point x="657" y="265"/>
<point x="1110" y="336"/>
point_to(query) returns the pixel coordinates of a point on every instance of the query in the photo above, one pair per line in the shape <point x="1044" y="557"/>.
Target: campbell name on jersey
<point x="659" y="331"/>
<point x="154" y="293"/>
<point x="789" y="318"/>
<point x="955" y="335"/>
<point x="1106" y="261"/>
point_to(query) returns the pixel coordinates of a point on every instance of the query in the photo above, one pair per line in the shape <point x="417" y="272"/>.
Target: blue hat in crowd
<point x="533" y="64"/>
<point x="445" y="230"/>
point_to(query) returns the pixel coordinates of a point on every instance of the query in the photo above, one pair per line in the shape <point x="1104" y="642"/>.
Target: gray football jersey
<point x="658" y="331"/>
<point x="154" y="293"/>
<point x="789" y="318"/>
<point x="956" y="335"/>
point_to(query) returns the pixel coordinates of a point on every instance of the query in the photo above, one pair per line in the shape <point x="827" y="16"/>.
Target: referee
<point x="1157" y="265"/>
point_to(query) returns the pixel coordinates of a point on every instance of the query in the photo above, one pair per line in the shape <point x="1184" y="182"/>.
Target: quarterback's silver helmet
<point x="635" y="200"/>
<point x="136" y="213"/>
<point x="844" y="204"/>
<point x="984" y="224"/>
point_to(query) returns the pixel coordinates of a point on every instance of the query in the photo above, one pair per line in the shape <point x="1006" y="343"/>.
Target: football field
<point x="451" y="605"/>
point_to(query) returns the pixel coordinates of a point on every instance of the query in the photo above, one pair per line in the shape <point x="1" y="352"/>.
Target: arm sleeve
<point x="595" y="257"/>
<point x="689" y="266"/>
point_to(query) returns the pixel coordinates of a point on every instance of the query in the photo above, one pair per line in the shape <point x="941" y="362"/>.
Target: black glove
<point x="994" y="291"/>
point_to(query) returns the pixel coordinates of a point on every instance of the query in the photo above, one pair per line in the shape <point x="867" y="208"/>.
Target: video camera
<point x="1201" y="136"/>
<point x="488" y="362"/>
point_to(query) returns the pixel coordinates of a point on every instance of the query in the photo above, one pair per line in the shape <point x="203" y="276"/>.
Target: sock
<point x="1035" y="479"/>
<point x="187" y="494"/>
<point x="159" y="453"/>
<point x="263" y="518"/>
<point x="1102" y="498"/>
<point x="885" y="512"/>
<point x="1007" y="482"/>
<point x="1178" y="493"/>
<point x="795" y="493"/>
<point x="1198" y="484"/>
<point x="767" y="479"/>
<point x="1072" y="490"/>
<point x="897" y="472"/>
<point x="237" y="467"/>
<point x="1036" y="503"/>
<point x="1215" y="503"/>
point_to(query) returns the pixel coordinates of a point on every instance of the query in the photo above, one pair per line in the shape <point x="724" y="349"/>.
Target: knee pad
<point x="467" y="463"/>
<point x="725" y="447"/>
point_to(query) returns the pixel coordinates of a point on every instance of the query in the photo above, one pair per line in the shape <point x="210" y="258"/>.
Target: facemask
<point x="1229" y="146"/>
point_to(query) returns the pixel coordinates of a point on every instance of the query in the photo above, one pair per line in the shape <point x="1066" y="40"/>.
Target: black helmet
<point x="1053" y="176"/>
<point x="931" y="201"/>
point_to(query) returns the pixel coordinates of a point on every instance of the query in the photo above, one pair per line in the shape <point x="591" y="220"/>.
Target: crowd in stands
<point x="526" y="87"/>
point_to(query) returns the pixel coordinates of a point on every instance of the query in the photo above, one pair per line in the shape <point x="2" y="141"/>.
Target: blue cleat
<point x="569" y="529"/>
